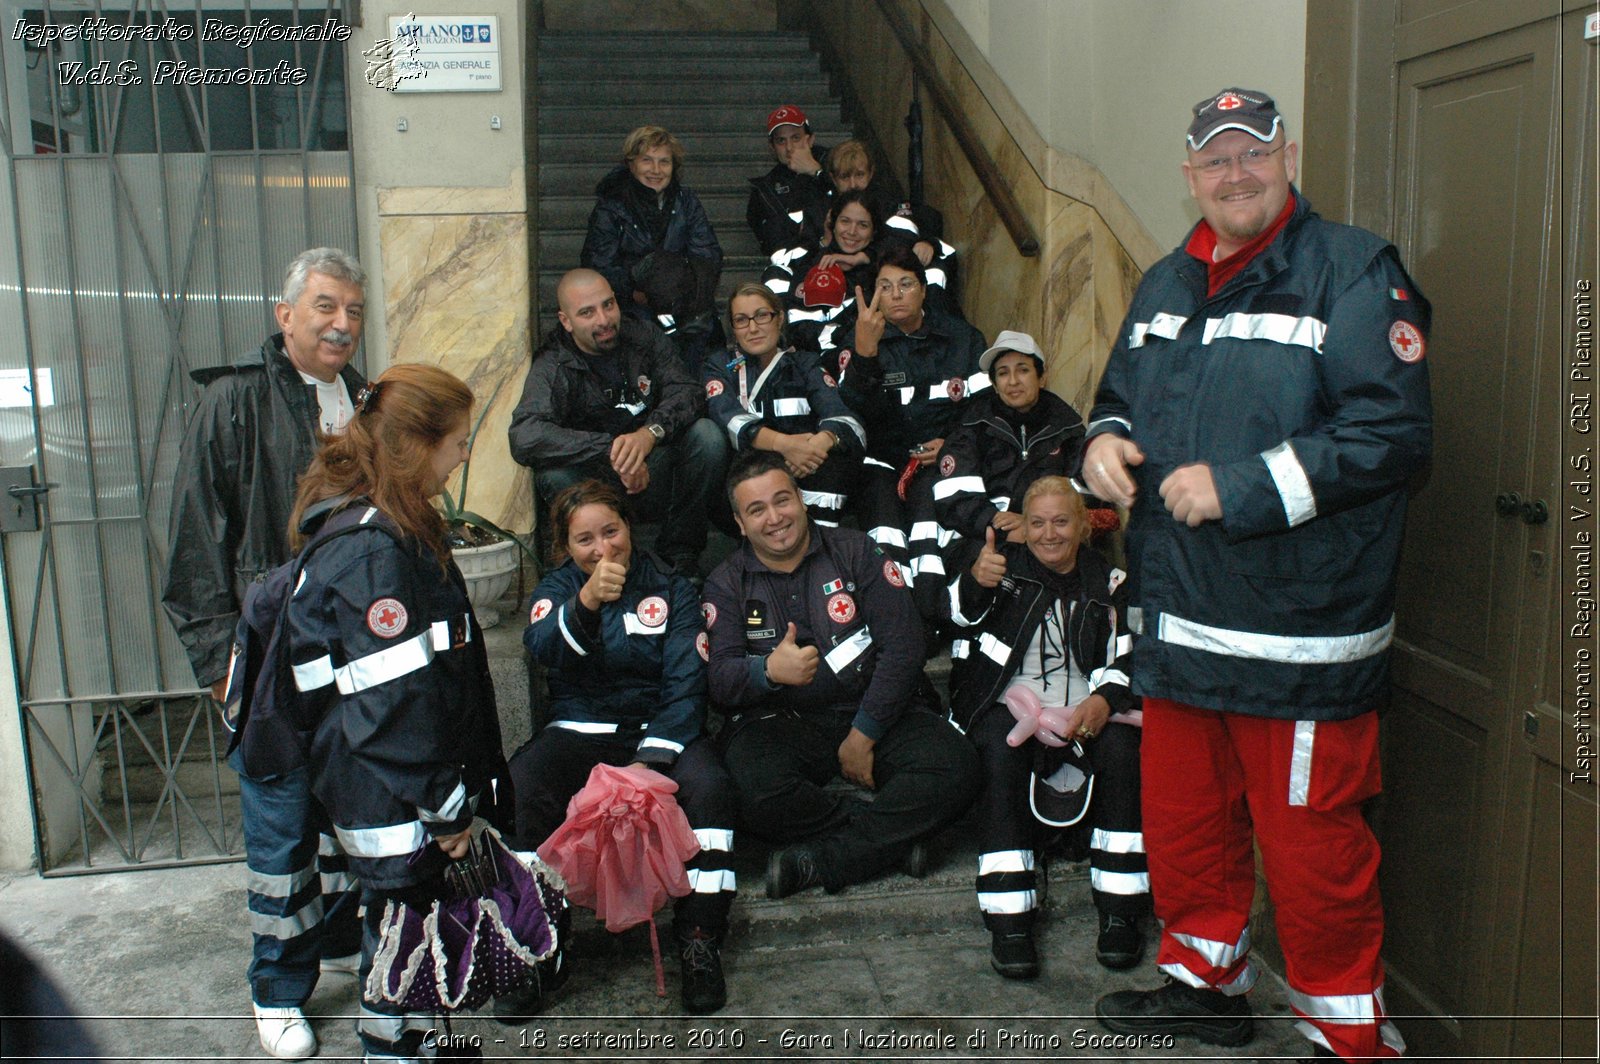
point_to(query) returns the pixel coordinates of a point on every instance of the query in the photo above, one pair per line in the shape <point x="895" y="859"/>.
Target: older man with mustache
<point x="254" y="431"/>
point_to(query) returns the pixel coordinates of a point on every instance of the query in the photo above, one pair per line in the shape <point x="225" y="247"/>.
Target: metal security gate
<point x="164" y="162"/>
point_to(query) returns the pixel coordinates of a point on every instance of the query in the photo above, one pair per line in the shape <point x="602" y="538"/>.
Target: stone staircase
<point x="713" y="90"/>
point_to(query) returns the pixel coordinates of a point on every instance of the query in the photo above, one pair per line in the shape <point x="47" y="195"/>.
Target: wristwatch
<point x="657" y="431"/>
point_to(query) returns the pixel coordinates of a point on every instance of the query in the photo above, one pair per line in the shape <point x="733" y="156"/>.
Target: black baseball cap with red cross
<point x="1246" y="109"/>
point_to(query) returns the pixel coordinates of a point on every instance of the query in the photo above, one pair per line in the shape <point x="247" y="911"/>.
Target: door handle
<point x="18" y="491"/>
<point x="1508" y="503"/>
<point x="1534" y="512"/>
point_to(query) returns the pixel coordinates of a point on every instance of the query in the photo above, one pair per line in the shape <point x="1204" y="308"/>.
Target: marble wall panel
<point x="1071" y="296"/>
<point x="456" y="296"/>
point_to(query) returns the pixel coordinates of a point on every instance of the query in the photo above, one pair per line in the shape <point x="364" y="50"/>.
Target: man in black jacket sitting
<point x="608" y="397"/>
<point x="815" y="652"/>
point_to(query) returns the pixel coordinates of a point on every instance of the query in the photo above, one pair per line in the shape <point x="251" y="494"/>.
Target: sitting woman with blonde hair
<point x="1049" y="615"/>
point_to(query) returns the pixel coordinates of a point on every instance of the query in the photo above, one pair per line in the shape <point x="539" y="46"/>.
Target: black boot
<point x="916" y="861"/>
<point x="792" y="870"/>
<point x="519" y="1007"/>
<point x="1177" y="1008"/>
<point x="1121" y="942"/>
<point x="704" y="989"/>
<point x="1013" y="955"/>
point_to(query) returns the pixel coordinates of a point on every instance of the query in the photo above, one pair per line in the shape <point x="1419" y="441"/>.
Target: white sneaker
<point x="346" y="965"/>
<point x="284" y="1032"/>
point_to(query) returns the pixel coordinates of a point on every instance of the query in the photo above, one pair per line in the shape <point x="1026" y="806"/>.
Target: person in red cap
<point x="789" y="203"/>
<point x="1262" y="412"/>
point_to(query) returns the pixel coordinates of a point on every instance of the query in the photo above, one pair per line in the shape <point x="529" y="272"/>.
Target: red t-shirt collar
<point x="1203" y="245"/>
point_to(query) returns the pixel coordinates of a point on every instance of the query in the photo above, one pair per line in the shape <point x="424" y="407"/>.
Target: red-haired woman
<point x="388" y="658"/>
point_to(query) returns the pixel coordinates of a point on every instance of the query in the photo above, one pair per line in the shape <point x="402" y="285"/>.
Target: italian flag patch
<point x="1399" y="294"/>
<point x="832" y="586"/>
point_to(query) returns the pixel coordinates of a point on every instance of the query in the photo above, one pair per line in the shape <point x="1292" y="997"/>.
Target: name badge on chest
<point x="755" y="621"/>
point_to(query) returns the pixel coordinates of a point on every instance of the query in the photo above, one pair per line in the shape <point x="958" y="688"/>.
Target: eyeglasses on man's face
<point x="760" y="317"/>
<point x="1253" y="161"/>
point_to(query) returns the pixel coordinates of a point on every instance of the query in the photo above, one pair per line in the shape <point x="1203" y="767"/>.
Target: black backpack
<point x="271" y="728"/>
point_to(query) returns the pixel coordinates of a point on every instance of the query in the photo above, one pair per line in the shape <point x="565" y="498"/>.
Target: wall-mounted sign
<point x="445" y="53"/>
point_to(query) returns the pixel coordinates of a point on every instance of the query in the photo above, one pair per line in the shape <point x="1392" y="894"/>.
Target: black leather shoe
<point x="1177" y="1008"/>
<point x="1013" y="955"/>
<point x="704" y="989"/>
<point x="915" y="864"/>
<point x="790" y="871"/>
<point x="1121" y="943"/>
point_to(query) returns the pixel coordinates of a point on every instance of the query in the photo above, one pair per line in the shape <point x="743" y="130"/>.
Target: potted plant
<point x="486" y="554"/>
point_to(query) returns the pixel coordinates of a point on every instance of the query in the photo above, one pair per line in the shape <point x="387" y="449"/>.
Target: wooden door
<point x="1487" y="824"/>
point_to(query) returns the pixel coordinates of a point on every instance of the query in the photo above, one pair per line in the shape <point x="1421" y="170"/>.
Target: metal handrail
<point x="978" y="157"/>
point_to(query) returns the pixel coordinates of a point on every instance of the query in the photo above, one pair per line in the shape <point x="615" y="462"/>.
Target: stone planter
<point x="488" y="570"/>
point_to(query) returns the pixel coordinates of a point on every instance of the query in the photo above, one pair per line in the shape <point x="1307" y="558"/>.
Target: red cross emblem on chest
<point x="653" y="612"/>
<point x="842" y="608"/>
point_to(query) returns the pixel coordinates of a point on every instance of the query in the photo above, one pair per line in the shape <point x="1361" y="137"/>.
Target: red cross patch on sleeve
<point x="540" y="611"/>
<point x="1406" y="342"/>
<point x="386" y="618"/>
<point x="713" y="388"/>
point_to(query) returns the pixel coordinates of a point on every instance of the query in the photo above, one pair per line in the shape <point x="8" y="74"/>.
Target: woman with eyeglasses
<point x="768" y="395"/>
<point x="906" y="369"/>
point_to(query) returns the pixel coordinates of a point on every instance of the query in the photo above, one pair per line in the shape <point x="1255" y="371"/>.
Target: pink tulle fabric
<point x="623" y="845"/>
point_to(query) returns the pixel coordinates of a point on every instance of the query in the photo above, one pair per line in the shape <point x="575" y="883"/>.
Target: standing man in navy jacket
<point x="1261" y="413"/>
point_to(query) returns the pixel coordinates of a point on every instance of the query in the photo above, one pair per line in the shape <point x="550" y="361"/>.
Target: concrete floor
<point x="155" y="959"/>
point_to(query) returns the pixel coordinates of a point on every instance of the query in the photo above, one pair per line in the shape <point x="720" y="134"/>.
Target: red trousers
<point x="1212" y="781"/>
